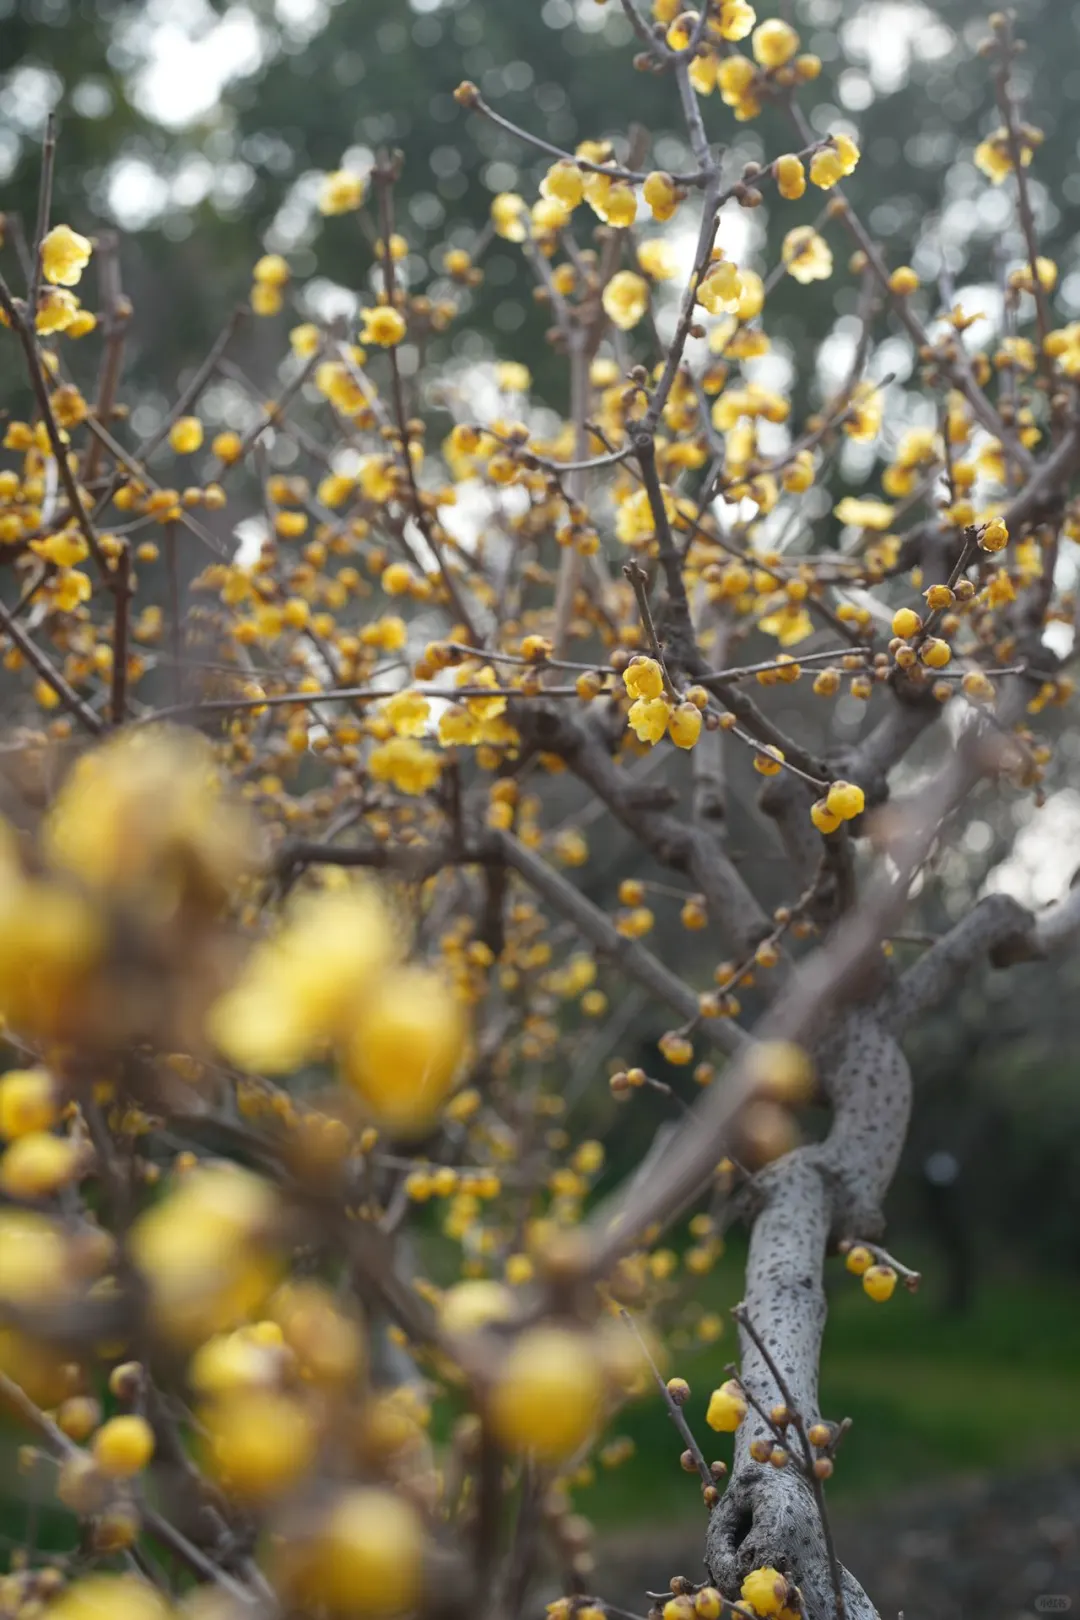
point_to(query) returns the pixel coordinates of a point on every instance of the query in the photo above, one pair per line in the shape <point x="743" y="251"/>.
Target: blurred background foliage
<point x="201" y="130"/>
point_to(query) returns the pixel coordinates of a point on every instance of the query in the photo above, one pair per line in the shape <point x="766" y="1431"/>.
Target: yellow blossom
<point x="644" y="678"/>
<point x="64" y="256"/>
<point x="807" y="255"/>
<point x="298" y="986"/>
<point x="186" y="435"/>
<point x="408" y="713"/>
<point x="658" y="259"/>
<point x="625" y="299"/>
<point x="737" y="18"/>
<point x="565" y="183"/>
<point x="383" y="326"/>
<point x="57" y="310"/>
<point x="774" y="42"/>
<point x="648" y="718"/>
<point x="864" y="514"/>
<point x="405" y="764"/>
<point x="721" y="289"/>
<point x="341" y="192"/>
<point x="271" y="269"/>
<point x="508" y="216"/>
<point x="404" y="1048"/>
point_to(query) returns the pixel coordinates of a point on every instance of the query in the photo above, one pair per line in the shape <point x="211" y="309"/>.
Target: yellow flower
<point x="548" y="1396"/>
<point x="865" y="411"/>
<point x="186" y="435"/>
<point x="765" y="1590"/>
<point x="994" y="156"/>
<point x="341" y="192"/>
<point x="644" y="678"/>
<point x="727" y="1408"/>
<point x="304" y="340"/>
<point x="807" y="255"/>
<point x="365" y="1560"/>
<point x="790" y="623"/>
<point x="258" y="1442"/>
<point x="383" y="326"/>
<point x="404" y="1048"/>
<point x="65" y="548"/>
<point x="265" y="299"/>
<point x="64" y="256"/>
<point x="508" y="216"/>
<point x="1045" y="269"/>
<point x="298" y="986"/>
<point x="82" y="322"/>
<point x="684" y="725"/>
<point x="903" y="281"/>
<point x="848" y="152"/>
<point x="734" y="77"/>
<point x="625" y="299"/>
<point x="271" y="269"/>
<point x="123" y="1446"/>
<point x="406" y="764"/>
<point x="845" y="800"/>
<point x="995" y="537"/>
<point x="790" y="176"/>
<point x="721" y="288"/>
<point x="565" y="183"/>
<point x="408" y="713"/>
<point x="737" y="18"/>
<point x="648" y="718"/>
<point x="774" y="42"/>
<point x="634" y="524"/>
<point x="69" y="588"/>
<point x="145" y="815"/>
<point x="118" y="1597"/>
<point x="512" y="377"/>
<point x="227" y="446"/>
<point x="659" y="192"/>
<point x="57" y="310"/>
<point x="864" y="514"/>
<point x="658" y="259"/>
<point x="203" y="1251"/>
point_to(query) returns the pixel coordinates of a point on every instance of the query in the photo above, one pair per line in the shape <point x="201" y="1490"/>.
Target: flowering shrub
<point x="291" y="969"/>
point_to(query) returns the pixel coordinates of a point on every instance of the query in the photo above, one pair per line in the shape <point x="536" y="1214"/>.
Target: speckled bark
<point x="809" y="1199"/>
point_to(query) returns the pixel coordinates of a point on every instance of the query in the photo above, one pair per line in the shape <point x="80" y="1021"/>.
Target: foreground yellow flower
<point x="204" y="1251"/>
<point x="110" y="1597"/>
<point x="807" y="255"/>
<point x="259" y="1443"/>
<point x="365" y="1561"/>
<point x="404" y="1049"/>
<point x="64" y="256"/>
<point x="548" y="1397"/>
<point x="145" y="814"/>
<point x="298" y="987"/>
<point x="341" y="192"/>
<point x="625" y="299"/>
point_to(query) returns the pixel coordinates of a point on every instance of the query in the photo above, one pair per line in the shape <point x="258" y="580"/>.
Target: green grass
<point x="929" y="1395"/>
